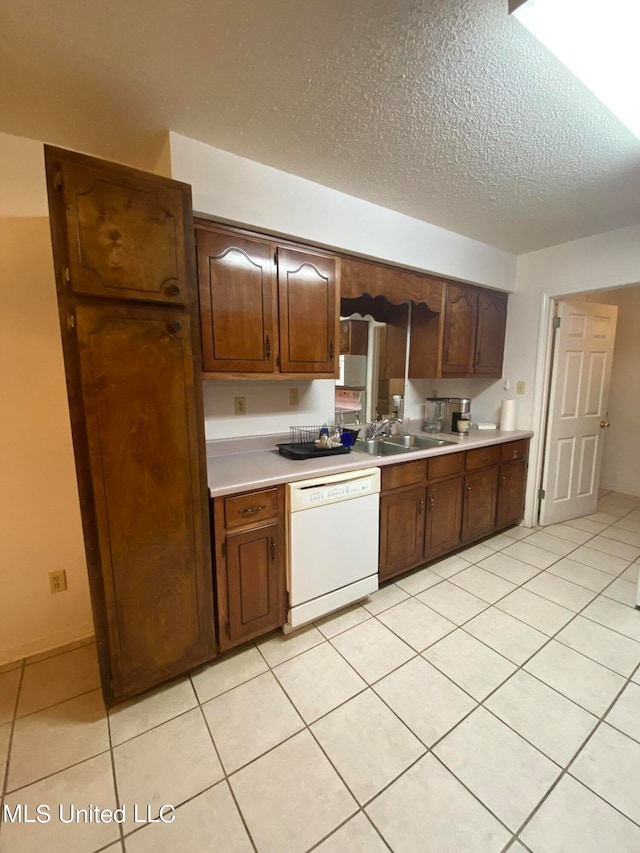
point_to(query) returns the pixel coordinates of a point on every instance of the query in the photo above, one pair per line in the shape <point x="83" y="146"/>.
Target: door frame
<point x="542" y="383"/>
<point x="542" y="388"/>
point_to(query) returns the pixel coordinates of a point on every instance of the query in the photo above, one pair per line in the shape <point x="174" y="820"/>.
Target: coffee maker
<point x="460" y="409"/>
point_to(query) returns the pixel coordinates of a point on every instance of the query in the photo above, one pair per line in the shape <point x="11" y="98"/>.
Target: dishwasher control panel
<point x="339" y="487"/>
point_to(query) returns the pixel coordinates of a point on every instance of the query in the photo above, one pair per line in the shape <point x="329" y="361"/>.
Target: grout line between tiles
<point x="222" y="767"/>
<point x="567" y="766"/>
<point x="5" y="780"/>
<point x="371" y="686"/>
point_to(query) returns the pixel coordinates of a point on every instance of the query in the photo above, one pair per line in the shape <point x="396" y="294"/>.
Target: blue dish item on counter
<point x="347" y="439"/>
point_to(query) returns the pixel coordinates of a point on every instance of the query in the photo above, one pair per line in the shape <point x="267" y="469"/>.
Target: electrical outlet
<point x="241" y="405"/>
<point x="520" y="387"/>
<point x="293" y="396"/>
<point x="58" y="581"/>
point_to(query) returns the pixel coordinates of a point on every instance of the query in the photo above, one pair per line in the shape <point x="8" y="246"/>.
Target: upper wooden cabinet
<point x="465" y="340"/>
<point x="460" y="318"/>
<point x="354" y="337"/>
<point x="308" y="303"/>
<point x="135" y="400"/>
<point x="265" y="309"/>
<point x="126" y="234"/>
<point x="238" y="302"/>
<point x="490" y="333"/>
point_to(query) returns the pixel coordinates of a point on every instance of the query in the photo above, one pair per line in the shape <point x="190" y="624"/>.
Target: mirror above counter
<point x="372" y="359"/>
<point x="428" y="329"/>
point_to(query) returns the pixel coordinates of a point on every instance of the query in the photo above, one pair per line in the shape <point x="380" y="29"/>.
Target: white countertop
<point x="241" y="464"/>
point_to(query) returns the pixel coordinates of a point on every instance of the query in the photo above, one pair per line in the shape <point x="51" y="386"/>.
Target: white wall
<point x="40" y="527"/>
<point x="594" y="263"/>
<point x="238" y="190"/>
<point x="620" y="459"/>
<point x="267" y="404"/>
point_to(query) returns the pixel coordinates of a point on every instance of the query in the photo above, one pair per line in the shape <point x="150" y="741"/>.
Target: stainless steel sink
<point x="379" y="447"/>
<point x="398" y="444"/>
<point x="417" y="442"/>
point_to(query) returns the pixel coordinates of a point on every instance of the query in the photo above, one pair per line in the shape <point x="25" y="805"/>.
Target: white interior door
<point x="578" y="400"/>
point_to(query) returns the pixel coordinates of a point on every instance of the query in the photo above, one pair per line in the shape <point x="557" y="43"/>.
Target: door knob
<point x="604" y="424"/>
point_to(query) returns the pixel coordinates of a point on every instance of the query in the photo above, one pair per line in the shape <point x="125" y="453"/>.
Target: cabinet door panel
<point x="308" y="289"/>
<point x="237" y="287"/>
<point x="480" y="500"/>
<point x="460" y="330"/>
<point x="125" y="234"/>
<point x="492" y="324"/>
<point x="255" y="583"/>
<point x="444" y="517"/>
<point x="511" y="491"/>
<point x="136" y="369"/>
<point x="401" y="531"/>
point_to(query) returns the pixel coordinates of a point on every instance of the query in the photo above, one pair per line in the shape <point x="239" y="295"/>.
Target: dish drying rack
<point x="307" y="442"/>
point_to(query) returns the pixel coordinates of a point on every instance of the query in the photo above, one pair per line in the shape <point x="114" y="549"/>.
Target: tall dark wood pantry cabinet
<point x="125" y="277"/>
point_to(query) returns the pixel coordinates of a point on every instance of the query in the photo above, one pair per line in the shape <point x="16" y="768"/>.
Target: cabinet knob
<point x="484" y="458"/>
<point x="173" y="289"/>
<point x="273" y="548"/>
<point x="420" y="506"/>
<point x="604" y="424"/>
<point x="430" y="506"/>
<point x="514" y="454"/>
<point x="174" y="327"/>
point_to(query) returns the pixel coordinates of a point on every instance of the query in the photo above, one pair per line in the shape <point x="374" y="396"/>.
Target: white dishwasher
<point x="333" y="530"/>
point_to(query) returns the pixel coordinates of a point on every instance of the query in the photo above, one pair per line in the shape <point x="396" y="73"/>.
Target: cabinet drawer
<point x="445" y="466"/>
<point x="482" y="457"/>
<point x="250" y="508"/>
<point x="406" y="474"/>
<point x="514" y="450"/>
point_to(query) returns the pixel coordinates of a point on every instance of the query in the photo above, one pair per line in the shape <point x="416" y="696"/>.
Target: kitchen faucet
<point x="380" y="429"/>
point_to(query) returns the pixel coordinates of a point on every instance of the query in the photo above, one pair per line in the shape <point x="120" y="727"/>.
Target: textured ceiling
<point x="447" y="110"/>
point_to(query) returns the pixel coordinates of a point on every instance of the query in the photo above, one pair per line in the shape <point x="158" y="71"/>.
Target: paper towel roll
<point x="508" y="415"/>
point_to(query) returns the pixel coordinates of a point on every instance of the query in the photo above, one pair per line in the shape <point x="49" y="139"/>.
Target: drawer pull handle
<point x="252" y="509"/>
<point x="514" y="454"/>
<point x="174" y="327"/>
<point x="331" y="350"/>
<point x="267" y="348"/>
<point x="484" y="458"/>
<point x="173" y="289"/>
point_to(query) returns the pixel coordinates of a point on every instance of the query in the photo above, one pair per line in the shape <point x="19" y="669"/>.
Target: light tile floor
<point x="488" y="702"/>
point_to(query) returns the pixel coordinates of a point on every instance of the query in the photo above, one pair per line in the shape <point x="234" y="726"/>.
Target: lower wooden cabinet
<point x="512" y="481"/>
<point x="428" y="510"/>
<point x="480" y="502"/>
<point x="402" y="515"/>
<point x="250" y="564"/>
<point x="444" y="517"/>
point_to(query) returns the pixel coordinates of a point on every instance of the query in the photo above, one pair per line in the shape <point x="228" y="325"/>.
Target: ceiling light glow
<point x="598" y="41"/>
